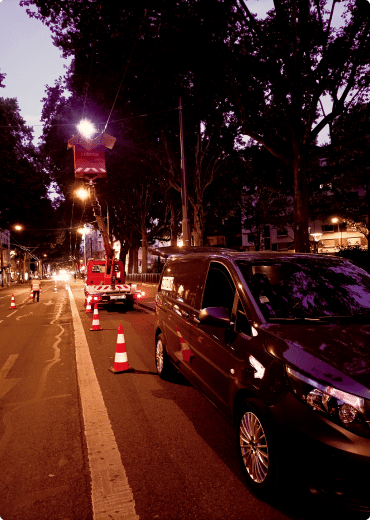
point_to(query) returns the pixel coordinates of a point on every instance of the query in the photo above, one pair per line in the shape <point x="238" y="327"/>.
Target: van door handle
<point x="185" y="314"/>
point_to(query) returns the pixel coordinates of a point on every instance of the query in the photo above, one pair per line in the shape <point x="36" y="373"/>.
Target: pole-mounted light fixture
<point x="82" y="193"/>
<point x="86" y="128"/>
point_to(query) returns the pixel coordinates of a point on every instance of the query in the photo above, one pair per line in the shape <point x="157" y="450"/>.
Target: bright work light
<point x="86" y="128"/>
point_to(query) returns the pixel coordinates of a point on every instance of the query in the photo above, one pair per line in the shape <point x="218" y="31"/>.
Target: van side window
<point x="220" y="289"/>
<point x="180" y="281"/>
<point x="167" y="282"/>
<point x="242" y="323"/>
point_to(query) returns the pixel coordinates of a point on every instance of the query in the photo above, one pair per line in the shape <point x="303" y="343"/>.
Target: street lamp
<point x="335" y="220"/>
<point x="82" y="193"/>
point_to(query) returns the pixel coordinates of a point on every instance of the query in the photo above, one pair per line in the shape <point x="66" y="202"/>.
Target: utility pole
<point x="184" y="190"/>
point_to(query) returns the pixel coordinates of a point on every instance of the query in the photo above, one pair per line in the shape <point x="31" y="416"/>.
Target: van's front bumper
<point x="331" y="460"/>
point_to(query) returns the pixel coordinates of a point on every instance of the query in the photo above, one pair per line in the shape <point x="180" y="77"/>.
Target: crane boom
<point x="109" y="251"/>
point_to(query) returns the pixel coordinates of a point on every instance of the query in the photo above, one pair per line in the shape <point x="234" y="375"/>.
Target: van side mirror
<point x="215" y="317"/>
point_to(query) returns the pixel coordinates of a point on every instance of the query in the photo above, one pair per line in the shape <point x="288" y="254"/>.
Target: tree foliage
<point x="23" y="195"/>
<point x="265" y="76"/>
<point x="282" y="66"/>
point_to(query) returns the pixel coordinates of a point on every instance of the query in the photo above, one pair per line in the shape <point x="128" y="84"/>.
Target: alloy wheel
<point x="253" y="447"/>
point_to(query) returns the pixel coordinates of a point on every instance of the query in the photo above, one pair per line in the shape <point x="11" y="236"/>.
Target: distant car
<point x="280" y="343"/>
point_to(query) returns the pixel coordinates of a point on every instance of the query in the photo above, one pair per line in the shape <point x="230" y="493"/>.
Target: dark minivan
<point x="280" y="344"/>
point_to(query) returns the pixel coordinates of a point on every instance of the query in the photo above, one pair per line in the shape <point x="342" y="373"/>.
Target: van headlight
<point x="347" y="410"/>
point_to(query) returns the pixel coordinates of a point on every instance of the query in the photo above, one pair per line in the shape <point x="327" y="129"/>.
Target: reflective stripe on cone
<point x="88" y="305"/>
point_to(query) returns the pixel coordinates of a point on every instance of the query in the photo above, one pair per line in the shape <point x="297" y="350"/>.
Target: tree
<point x="281" y="67"/>
<point x="170" y="36"/>
<point x="266" y="193"/>
<point x="270" y="75"/>
<point x="346" y="172"/>
<point x="23" y="195"/>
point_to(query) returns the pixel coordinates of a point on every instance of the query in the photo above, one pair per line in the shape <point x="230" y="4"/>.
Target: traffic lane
<point x="41" y="444"/>
<point x="178" y="452"/>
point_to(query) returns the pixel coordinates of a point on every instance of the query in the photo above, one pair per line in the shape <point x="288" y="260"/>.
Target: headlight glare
<point x="344" y="408"/>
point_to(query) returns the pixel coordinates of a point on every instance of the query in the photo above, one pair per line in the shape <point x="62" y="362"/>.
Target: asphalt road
<point x="158" y="447"/>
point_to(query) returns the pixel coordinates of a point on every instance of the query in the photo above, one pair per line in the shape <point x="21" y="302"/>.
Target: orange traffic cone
<point x="88" y="305"/>
<point x="12" y="304"/>
<point x="55" y="287"/>
<point x="120" y="360"/>
<point x="96" y="323"/>
<point x="31" y="296"/>
<point x="185" y="349"/>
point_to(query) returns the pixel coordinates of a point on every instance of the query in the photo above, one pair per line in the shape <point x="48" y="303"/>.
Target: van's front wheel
<point x="256" y="448"/>
<point x="162" y="363"/>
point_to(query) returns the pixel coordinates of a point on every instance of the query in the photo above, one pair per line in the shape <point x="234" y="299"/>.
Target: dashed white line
<point x="111" y="494"/>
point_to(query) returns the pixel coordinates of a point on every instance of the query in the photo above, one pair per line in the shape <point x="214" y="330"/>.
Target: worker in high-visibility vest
<point x="36" y="288"/>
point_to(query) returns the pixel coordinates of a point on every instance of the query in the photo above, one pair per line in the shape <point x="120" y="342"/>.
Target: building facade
<point x="5" y="264"/>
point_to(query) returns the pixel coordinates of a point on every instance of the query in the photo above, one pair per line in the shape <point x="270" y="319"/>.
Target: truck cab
<point x="97" y="273"/>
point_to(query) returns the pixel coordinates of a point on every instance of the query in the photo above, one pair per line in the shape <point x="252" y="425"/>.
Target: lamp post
<point x="335" y="220"/>
<point x="19" y="227"/>
<point x="184" y="190"/>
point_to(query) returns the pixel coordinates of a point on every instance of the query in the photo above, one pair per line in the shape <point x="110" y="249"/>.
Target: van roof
<point x="168" y="251"/>
<point x="193" y="251"/>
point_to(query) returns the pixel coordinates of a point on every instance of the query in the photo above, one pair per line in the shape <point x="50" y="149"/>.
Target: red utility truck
<point x="105" y="279"/>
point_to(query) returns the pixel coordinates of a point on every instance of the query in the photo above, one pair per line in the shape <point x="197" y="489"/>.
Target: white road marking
<point x="24" y="316"/>
<point x="110" y="491"/>
<point x="11" y="314"/>
<point x="7" y="384"/>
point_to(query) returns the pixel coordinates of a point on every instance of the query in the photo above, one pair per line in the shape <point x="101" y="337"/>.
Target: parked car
<point x="280" y="344"/>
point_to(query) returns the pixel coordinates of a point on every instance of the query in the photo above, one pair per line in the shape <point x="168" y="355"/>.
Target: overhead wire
<point x="91" y="61"/>
<point x="126" y="68"/>
<point x="114" y="121"/>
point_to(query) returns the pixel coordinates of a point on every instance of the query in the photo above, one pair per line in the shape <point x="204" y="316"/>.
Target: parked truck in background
<point x="105" y="278"/>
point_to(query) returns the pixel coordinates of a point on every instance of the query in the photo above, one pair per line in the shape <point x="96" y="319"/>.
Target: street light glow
<point x="18" y="227"/>
<point x="82" y="193"/>
<point x="86" y="128"/>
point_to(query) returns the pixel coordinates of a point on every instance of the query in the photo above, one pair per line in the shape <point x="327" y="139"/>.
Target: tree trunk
<point x="198" y="224"/>
<point x="257" y="239"/>
<point x="130" y="261"/>
<point x="144" y="248"/>
<point x="301" y="236"/>
<point x="135" y="256"/>
<point x="123" y="252"/>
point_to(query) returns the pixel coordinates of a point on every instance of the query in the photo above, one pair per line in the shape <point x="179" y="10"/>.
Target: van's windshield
<point x="302" y="288"/>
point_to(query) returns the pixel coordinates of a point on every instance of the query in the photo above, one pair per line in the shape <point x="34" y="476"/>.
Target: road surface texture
<point x="78" y="442"/>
